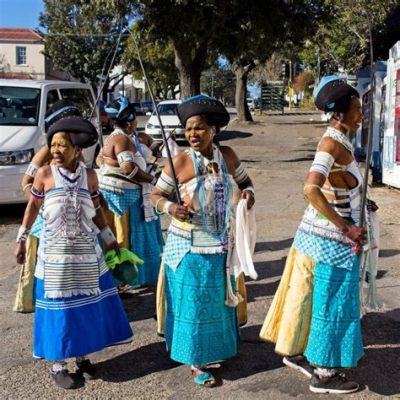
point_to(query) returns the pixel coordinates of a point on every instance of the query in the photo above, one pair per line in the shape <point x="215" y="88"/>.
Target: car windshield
<point x="167" y="109"/>
<point x="19" y="106"/>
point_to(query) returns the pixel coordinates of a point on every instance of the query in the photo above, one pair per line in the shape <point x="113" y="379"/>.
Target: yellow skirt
<point x="24" y="298"/>
<point x="287" y="323"/>
<point x="120" y="227"/>
<point x="241" y="309"/>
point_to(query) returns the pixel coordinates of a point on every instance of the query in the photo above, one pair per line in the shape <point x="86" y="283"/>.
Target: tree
<point x="158" y="60"/>
<point x="219" y="81"/>
<point x="190" y="25"/>
<point x="255" y="30"/>
<point x="342" y="41"/>
<point x="80" y="37"/>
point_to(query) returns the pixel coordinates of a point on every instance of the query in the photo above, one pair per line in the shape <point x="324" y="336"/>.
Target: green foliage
<point x="219" y="82"/>
<point x="80" y="37"/>
<point x="157" y="57"/>
<point x="342" y="40"/>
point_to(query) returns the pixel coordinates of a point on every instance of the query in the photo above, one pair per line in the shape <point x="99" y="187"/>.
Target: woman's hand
<point x="249" y="196"/>
<point x="355" y="233"/>
<point x="20" y="252"/>
<point x="114" y="246"/>
<point x="180" y="212"/>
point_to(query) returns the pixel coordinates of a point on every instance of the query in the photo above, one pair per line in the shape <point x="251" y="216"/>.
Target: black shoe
<point x="337" y="383"/>
<point x="299" y="363"/>
<point x="86" y="369"/>
<point x="64" y="379"/>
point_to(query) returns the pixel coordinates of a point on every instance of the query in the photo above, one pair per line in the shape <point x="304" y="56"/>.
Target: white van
<point x="23" y="104"/>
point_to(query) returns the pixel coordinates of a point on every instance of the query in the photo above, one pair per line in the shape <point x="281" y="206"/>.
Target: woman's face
<point x="63" y="152"/>
<point x="131" y="126"/>
<point x="198" y="133"/>
<point x="352" y="118"/>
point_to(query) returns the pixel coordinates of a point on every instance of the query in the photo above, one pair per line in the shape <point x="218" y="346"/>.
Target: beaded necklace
<point x="214" y="214"/>
<point x="340" y="137"/>
<point x="72" y="205"/>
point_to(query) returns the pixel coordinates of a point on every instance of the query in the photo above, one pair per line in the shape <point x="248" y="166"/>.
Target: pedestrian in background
<point x="123" y="181"/>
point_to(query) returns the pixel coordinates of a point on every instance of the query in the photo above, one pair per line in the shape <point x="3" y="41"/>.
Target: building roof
<point x="22" y="34"/>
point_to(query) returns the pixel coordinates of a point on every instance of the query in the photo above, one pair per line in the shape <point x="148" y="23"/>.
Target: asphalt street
<point x="277" y="151"/>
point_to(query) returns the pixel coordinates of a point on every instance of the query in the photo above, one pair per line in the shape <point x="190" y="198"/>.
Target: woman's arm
<point x="323" y="161"/>
<point x="239" y="173"/>
<point x="41" y="158"/>
<point x="164" y="187"/>
<point x="31" y="212"/>
<point x="124" y="150"/>
<point x="100" y="217"/>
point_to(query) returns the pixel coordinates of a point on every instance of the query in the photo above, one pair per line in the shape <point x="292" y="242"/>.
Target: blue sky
<point x="20" y="13"/>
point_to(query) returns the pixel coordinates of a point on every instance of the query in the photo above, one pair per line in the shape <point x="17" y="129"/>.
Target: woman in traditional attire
<point x="314" y="317"/>
<point x="24" y="300"/>
<point x="126" y="186"/>
<point x="78" y="310"/>
<point x="201" y="322"/>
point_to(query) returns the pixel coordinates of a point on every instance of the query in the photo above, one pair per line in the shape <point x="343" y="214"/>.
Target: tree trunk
<point x="190" y="64"/>
<point x="242" y="109"/>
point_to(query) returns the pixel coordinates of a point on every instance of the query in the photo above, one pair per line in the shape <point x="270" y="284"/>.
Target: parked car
<point x="169" y="119"/>
<point x="138" y="108"/>
<point x="147" y="106"/>
<point x="23" y="104"/>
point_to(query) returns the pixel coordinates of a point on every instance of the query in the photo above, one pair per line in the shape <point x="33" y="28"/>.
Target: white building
<point x="22" y="57"/>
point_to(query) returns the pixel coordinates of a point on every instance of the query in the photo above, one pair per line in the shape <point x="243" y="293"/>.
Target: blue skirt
<point x="200" y="328"/>
<point x="335" y="336"/>
<point x="79" y="325"/>
<point x="146" y="241"/>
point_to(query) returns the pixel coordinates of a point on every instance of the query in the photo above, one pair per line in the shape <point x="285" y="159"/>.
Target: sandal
<point x="205" y="379"/>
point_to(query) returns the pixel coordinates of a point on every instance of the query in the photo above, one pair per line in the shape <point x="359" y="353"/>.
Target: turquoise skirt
<point x="145" y="237"/>
<point x="200" y="328"/>
<point x="147" y="242"/>
<point x="335" y="335"/>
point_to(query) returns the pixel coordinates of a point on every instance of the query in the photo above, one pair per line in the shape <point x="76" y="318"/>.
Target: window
<point x="81" y="97"/>
<point x="21" y="55"/>
<point x="19" y="106"/>
<point x="52" y="97"/>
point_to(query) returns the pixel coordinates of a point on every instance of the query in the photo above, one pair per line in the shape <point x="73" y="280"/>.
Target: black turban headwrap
<point x="82" y="133"/>
<point x="212" y="109"/>
<point x="60" y="109"/>
<point x="335" y="96"/>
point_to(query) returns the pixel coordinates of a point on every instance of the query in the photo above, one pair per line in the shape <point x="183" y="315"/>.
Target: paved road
<point x="277" y="151"/>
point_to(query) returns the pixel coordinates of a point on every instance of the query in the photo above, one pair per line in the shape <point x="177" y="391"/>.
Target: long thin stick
<point x="370" y="131"/>
<point x="164" y="137"/>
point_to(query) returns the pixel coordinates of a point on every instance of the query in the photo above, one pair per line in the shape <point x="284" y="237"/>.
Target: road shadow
<point x="139" y="305"/>
<point x="379" y="370"/>
<point x="315" y="123"/>
<point x="268" y="269"/>
<point x="258" y="290"/>
<point x="12" y="213"/>
<point x="250" y="360"/>
<point x="135" y="364"/>
<point x="299" y="159"/>
<point x="273" y="246"/>
<point x="228" y="135"/>
<point x="379" y="329"/>
<point x="388" y="252"/>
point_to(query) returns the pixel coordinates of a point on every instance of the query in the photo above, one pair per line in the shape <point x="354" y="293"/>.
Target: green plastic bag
<point x="123" y="267"/>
